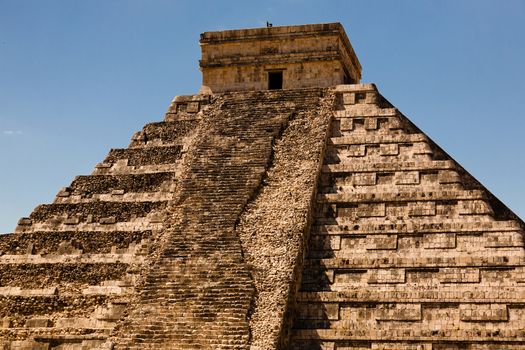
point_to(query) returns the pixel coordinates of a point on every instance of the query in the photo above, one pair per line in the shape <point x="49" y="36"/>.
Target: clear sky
<point x="79" y="77"/>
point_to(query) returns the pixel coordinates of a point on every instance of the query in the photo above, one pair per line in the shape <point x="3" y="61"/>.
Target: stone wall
<point x="255" y="77"/>
<point x="407" y="251"/>
<point x="318" y="55"/>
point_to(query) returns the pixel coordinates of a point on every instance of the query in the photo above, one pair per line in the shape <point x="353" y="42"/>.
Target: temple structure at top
<point x="290" y="57"/>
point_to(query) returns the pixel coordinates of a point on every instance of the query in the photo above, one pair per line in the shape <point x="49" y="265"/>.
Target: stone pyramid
<point x="285" y="206"/>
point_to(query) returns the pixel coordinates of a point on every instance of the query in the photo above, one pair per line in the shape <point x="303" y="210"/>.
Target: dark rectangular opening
<point x="275" y="80"/>
<point x="348" y="80"/>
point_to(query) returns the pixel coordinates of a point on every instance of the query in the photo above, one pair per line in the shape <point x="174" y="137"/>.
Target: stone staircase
<point x="199" y="292"/>
<point x="407" y="250"/>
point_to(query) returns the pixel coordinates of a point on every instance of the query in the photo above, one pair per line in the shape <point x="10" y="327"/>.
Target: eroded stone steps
<point x="64" y="341"/>
<point x="87" y="186"/>
<point x="63" y="242"/>
<point x="201" y="270"/>
<point x="123" y="169"/>
<point x="95" y="211"/>
<point x="163" y="133"/>
<point x="145" y="156"/>
<point x="32" y="276"/>
<point x="23" y="306"/>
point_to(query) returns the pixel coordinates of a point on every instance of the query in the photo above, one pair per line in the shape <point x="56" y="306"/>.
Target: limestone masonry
<point x="286" y="206"/>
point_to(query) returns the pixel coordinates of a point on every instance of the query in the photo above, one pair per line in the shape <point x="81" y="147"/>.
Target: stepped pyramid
<point x="285" y="206"/>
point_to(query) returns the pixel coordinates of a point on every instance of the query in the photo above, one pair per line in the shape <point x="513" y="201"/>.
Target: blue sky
<point x="79" y="77"/>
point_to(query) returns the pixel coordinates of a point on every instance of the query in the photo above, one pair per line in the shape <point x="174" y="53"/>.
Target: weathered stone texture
<point x="274" y="227"/>
<point x="403" y="251"/>
<point x="69" y="273"/>
<point x="317" y="218"/>
<point x="317" y="55"/>
<point x="200" y="291"/>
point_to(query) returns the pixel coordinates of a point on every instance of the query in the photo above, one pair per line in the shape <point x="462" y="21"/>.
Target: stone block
<point x="74" y="322"/>
<point x="448" y="177"/>
<point x="37" y="322"/>
<point x="108" y="220"/>
<point x="474" y="207"/>
<point x="346" y="124"/>
<point x="352" y="278"/>
<point x="83" y="322"/>
<point x="111" y="313"/>
<point x="439" y="241"/>
<point x="401" y="346"/>
<point x="395" y="123"/>
<point x="371" y="210"/>
<point x="105" y="290"/>
<point x="28" y="345"/>
<point x="64" y="192"/>
<point x="371" y="97"/>
<point x="43" y="291"/>
<point x="72" y="221"/>
<point x="97" y="345"/>
<point x="25" y="222"/>
<point x="483" y="312"/>
<point x="370" y="123"/>
<point x="355" y="151"/>
<point x="421" y="148"/>
<point x="459" y="275"/>
<point x="192" y="107"/>
<point x="104" y="165"/>
<point x="407" y="178"/>
<point x="381" y="242"/>
<point x="503" y="239"/>
<point x="421" y="208"/>
<point x="364" y="179"/>
<point x="10" y="290"/>
<point x="389" y="149"/>
<point x="37" y="292"/>
<point x="328" y="243"/>
<point x="519" y="275"/>
<point x="349" y="98"/>
<point x="319" y="311"/>
<point x="30" y="248"/>
<point x="398" y="312"/>
<point x="310" y="345"/>
<point x="387" y="276"/>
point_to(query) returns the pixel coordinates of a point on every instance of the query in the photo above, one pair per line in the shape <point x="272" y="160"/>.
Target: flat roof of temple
<point x="281" y="32"/>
